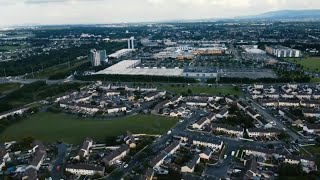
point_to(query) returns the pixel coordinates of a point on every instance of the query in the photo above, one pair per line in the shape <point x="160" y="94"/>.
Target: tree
<point x="189" y="91"/>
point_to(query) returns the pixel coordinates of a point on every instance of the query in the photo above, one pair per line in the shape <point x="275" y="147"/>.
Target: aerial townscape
<point x="229" y="98"/>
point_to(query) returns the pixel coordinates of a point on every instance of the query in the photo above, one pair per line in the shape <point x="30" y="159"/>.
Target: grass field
<point x="315" y="80"/>
<point x="315" y="150"/>
<point x="309" y="64"/>
<point x="60" y="68"/>
<point x="8" y="87"/>
<point x="9" y="48"/>
<point x="50" y="127"/>
<point x="203" y="90"/>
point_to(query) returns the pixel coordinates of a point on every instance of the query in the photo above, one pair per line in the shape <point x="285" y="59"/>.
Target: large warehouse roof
<point x="128" y="67"/>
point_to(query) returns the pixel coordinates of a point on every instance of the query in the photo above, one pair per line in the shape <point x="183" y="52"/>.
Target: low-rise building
<point x="196" y="102"/>
<point x="311" y="113"/>
<point x="30" y="174"/>
<point x="189" y="167"/>
<point x="206" y="154"/>
<point x="13" y="112"/>
<point x="310" y="103"/>
<point x="252" y="113"/>
<point x="172" y="148"/>
<point x="231" y="99"/>
<point x="272" y="95"/>
<point x="242" y="105"/>
<point x="117" y="109"/>
<point x="291" y="118"/>
<point x="250" y="169"/>
<point x="154" y="95"/>
<point x="263" y="153"/>
<point x="85" y="148"/>
<point x="149" y="174"/>
<point x="4" y="156"/>
<point x="289" y="103"/>
<point x="39" y="154"/>
<point x="217" y="145"/>
<point x="85" y="169"/>
<point x="200" y="123"/>
<point x="113" y="93"/>
<point x="304" y="96"/>
<point x="312" y="128"/>
<point x="270" y="103"/>
<point x="158" y="160"/>
<point x="228" y="130"/>
<point x="307" y="163"/>
<point x="267" y="133"/>
<point x="116" y="155"/>
<point x="223" y="113"/>
<point x="130" y="140"/>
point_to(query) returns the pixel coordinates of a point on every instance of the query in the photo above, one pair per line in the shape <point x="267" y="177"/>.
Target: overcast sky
<point x="21" y="12"/>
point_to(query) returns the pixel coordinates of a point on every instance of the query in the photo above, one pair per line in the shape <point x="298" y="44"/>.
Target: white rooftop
<point x="128" y="67"/>
<point x="120" y="52"/>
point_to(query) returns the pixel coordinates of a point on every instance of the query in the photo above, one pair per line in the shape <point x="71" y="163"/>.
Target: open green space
<point x="315" y="80"/>
<point x="50" y="127"/>
<point x="309" y="63"/>
<point x="224" y="90"/>
<point x="57" y="69"/>
<point x="9" y="48"/>
<point x="33" y="92"/>
<point x="8" y="87"/>
<point x="314" y="150"/>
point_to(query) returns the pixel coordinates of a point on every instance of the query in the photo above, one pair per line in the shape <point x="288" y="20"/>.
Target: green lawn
<point x="314" y="150"/>
<point x="50" y="127"/>
<point x="315" y="80"/>
<point x="60" y="68"/>
<point x="203" y="90"/>
<point x="309" y="63"/>
<point x="9" y="48"/>
<point x="8" y="87"/>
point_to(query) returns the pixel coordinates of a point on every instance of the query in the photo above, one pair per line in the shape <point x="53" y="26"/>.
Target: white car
<point x="125" y="166"/>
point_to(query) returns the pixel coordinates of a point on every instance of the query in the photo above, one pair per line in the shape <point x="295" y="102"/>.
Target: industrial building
<point x="124" y="52"/>
<point x="189" y="52"/>
<point x="180" y="53"/>
<point x="131" y="43"/>
<point x="121" y="53"/>
<point x="130" y="67"/>
<point x="283" y="52"/>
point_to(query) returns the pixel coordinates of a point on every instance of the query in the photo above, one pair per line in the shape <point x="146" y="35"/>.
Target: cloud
<point x="109" y="11"/>
<point x="44" y="1"/>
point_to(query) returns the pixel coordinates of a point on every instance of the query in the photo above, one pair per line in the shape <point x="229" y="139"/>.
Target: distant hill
<point x="286" y="14"/>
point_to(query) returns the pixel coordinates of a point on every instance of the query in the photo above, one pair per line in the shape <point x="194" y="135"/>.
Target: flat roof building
<point x="129" y="67"/>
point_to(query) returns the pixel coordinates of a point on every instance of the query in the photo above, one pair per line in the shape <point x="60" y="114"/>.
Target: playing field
<point x="50" y="127"/>
<point x="203" y="90"/>
<point x="309" y="64"/>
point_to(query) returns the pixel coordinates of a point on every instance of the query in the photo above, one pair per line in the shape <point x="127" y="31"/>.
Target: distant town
<point x="210" y="100"/>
